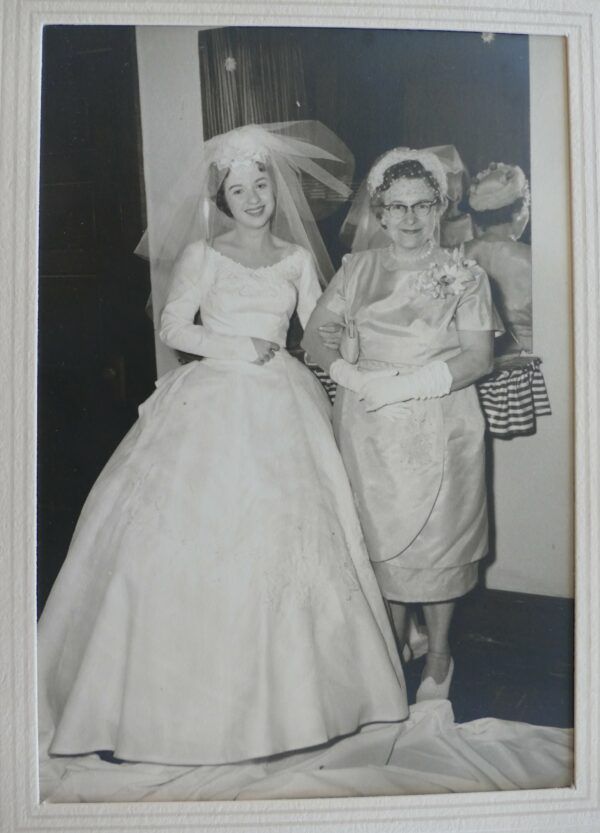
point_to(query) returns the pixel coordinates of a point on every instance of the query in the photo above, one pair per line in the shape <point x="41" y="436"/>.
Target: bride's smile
<point x="250" y="195"/>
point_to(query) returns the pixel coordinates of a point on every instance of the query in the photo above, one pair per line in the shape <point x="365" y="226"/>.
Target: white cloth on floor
<point x="428" y="753"/>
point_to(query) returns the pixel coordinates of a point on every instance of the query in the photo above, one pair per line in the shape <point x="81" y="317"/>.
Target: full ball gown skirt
<point x="217" y="603"/>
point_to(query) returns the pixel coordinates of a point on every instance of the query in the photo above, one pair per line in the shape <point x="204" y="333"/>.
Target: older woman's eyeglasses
<point x="400" y="210"/>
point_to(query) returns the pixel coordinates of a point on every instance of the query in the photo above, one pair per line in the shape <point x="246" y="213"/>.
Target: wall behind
<point x="533" y="476"/>
<point x="171" y="113"/>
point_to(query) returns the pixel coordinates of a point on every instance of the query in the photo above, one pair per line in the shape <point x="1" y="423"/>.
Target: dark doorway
<point x="96" y="347"/>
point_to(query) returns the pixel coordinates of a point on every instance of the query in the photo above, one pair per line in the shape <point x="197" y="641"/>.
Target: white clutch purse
<point x="349" y="346"/>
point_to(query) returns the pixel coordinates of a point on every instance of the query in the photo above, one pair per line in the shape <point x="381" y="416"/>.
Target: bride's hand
<point x="265" y="350"/>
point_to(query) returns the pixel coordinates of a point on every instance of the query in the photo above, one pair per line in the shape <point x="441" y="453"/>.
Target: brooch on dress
<point x="449" y="278"/>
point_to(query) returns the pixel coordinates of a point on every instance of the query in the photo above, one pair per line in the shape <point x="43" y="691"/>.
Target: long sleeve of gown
<point x="177" y="328"/>
<point x="309" y="289"/>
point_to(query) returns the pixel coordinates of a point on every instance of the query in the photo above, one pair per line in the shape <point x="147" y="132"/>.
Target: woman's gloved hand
<point x="429" y="382"/>
<point x="265" y="350"/>
<point x="331" y="334"/>
<point x="349" y="376"/>
<point x="342" y="337"/>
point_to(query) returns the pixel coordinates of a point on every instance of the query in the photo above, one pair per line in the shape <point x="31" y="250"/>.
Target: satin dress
<point x="416" y="468"/>
<point x="217" y="603"/>
<point x="508" y="266"/>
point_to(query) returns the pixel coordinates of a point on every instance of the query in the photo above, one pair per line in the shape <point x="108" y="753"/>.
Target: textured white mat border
<point x="576" y="809"/>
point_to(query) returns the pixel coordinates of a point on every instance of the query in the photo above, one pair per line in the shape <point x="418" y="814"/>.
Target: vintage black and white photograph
<point x="305" y="414"/>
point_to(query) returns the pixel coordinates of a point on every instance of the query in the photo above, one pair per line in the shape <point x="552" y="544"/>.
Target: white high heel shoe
<point x="416" y="643"/>
<point x="430" y="690"/>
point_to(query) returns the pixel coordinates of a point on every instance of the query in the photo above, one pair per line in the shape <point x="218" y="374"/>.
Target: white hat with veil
<point x="310" y="167"/>
<point x="361" y="229"/>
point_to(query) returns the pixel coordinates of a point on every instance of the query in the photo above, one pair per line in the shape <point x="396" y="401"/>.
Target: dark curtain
<point x="250" y="77"/>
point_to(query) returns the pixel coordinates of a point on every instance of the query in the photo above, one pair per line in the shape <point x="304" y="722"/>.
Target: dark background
<point x="96" y="344"/>
<point x="377" y="89"/>
<point x="421" y="89"/>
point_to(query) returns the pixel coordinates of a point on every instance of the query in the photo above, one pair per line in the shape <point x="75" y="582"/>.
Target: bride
<point x="217" y="603"/>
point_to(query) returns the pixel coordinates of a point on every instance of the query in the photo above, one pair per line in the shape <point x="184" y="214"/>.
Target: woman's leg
<point x="438" y="617"/>
<point x="398" y="616"/>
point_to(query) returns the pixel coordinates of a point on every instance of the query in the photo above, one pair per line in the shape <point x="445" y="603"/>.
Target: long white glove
<point x="429" y="382"/>
<point x="349" y="376"/>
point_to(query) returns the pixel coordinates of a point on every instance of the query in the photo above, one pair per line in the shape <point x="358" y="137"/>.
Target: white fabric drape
<point x="428" y="753"/>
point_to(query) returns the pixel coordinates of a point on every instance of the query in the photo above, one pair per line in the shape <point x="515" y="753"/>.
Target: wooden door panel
<point x="96" y="345"/>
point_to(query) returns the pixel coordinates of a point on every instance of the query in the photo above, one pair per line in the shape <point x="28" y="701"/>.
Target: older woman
<point x="499" y="202"/>
<point x="412" y="442"/>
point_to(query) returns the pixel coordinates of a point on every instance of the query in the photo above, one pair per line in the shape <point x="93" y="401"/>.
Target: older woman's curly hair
<point x="407" y="169"/>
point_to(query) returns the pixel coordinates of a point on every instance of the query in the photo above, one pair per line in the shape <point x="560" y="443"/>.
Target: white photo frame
<point x="573" y="809"/>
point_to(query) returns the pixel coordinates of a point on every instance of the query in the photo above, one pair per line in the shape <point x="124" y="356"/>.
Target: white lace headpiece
<point x="240" y="147"/>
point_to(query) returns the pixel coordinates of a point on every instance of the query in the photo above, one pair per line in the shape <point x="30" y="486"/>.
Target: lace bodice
<point x="236" y="302"/>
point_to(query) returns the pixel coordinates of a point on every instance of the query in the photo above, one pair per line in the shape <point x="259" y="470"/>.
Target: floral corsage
<point x="450" y="278"/>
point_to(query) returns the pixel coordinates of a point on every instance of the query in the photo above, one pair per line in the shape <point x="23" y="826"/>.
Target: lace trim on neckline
<point x="281" y="260"/>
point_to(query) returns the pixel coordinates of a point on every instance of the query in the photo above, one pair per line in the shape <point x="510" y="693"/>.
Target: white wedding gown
<point x="217" y="603"/>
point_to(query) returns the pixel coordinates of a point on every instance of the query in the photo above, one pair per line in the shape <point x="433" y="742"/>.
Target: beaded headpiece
<point x="428" y="160"/>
